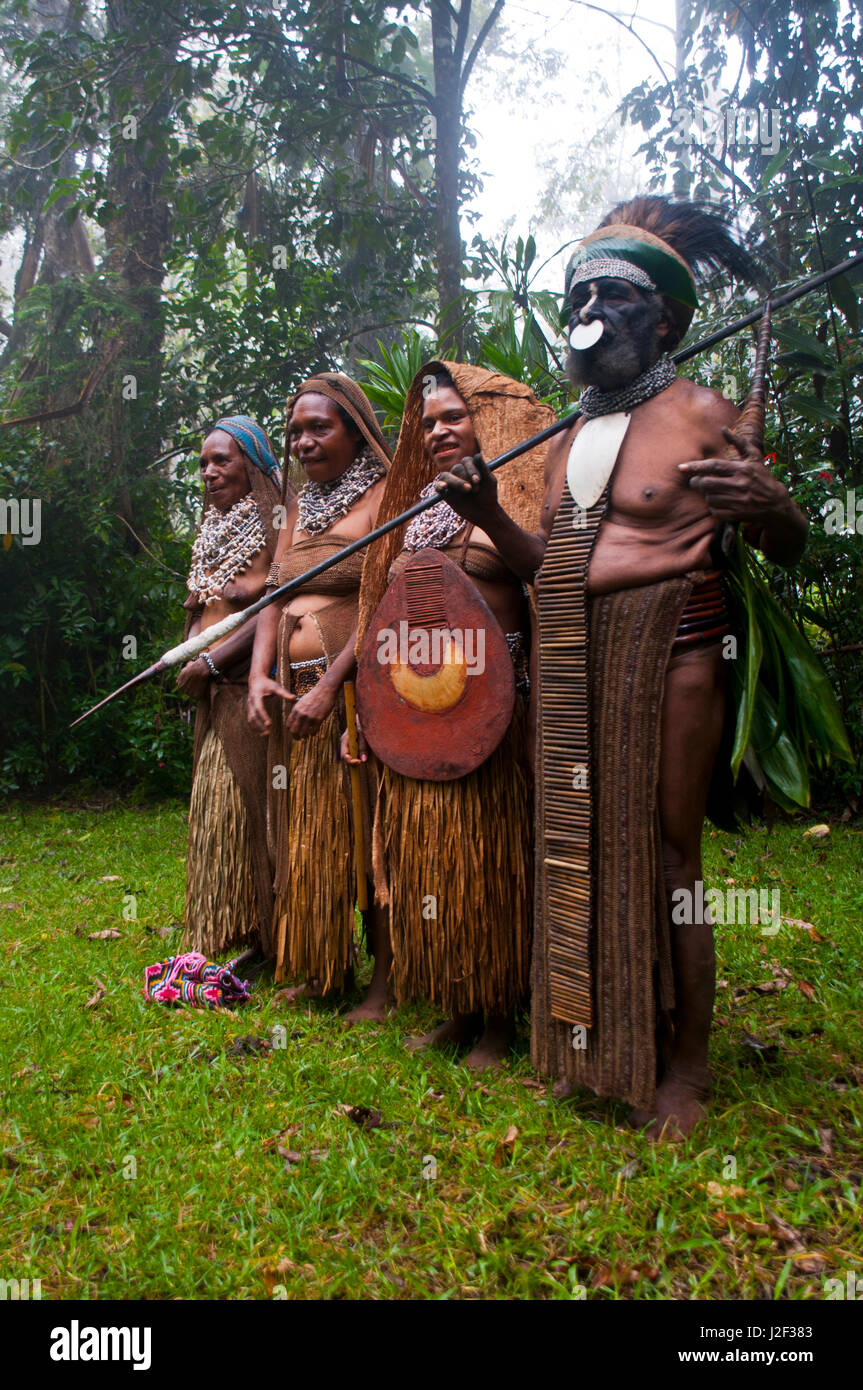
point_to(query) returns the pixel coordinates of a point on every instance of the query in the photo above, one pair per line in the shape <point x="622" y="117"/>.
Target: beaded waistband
<point x="705" y="617"/>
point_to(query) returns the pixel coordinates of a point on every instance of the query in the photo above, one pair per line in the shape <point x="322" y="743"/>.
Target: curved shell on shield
<point x="435" y="685"/>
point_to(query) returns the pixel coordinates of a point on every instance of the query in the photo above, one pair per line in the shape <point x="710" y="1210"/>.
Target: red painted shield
<point x="435" y="685"/>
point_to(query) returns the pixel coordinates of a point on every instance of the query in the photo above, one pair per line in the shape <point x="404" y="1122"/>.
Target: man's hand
<point x="470" y="490"/>
<point x="309" y="713"/>
<point x="744" y="490"/>
<point x="260" y="690"/>
<point x="194" y="678"/>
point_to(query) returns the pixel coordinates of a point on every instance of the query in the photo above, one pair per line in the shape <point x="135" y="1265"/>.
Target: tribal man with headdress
<point x="631" y="677"/>
<point x="303" y="654"/>
<point x="229" y="895"/>
<point x="442" y="697"/>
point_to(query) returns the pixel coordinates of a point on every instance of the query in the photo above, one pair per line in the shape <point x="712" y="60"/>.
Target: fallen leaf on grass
<point x="273" y="1139"/>
<point x="293" y="1157"/>
<point x="274" y="1275"/>
<point x="782" y="1231"/>
<point x="816" y="832"/>
<point x="110" y="878"/>
<point x="99" y="995"/>
<point x="720" y="1217"/>
<point x="774" y="1226"/>
<point x="109" y="934"/>
<point x="807" y="990"/>
<point x="810" y="929"/>
<point x="510" y="1137"/>
<point x="719" y="1189"/>
<point x="606" y="1275"/>
<point x="809" y="1261"/>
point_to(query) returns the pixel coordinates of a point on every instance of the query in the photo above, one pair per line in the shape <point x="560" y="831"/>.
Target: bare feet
<point x="681" y="1101"/>
<point x="457" y="1031"/>
<point x="493" y="1046"/>
<point x="374" y="1008"/>
<point x="311" y="989"/>
<point x="639" y="1119"/>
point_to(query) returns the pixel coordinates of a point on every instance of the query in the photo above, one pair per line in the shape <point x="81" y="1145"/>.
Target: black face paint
<point x="629" y="344"/>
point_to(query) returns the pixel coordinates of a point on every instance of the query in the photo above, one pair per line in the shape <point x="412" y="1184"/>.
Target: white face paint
<point x="584" y="335"/>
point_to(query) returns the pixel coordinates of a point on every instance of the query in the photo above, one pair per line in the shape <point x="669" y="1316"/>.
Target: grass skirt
<point x="314" y="922"/>
<point x="454" y="861"/>
<point x="221" y="903"/>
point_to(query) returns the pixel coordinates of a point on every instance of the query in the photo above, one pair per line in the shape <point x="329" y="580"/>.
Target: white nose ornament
<point x="584" y="335"/>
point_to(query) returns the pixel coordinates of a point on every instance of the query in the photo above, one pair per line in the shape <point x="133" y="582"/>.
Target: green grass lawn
<point x="140" y="1147"/>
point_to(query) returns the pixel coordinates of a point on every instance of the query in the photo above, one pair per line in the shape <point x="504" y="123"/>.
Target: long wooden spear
<point x="195" y="645"/>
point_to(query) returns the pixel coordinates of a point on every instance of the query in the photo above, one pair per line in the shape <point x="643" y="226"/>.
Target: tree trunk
<point x="137" y="239"/>
<point x="447" y="168"/>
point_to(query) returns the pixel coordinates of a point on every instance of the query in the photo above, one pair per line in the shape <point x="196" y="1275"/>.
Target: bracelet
<point x="212" y="665"/>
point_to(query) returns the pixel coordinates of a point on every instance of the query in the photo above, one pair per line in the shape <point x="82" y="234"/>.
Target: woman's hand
<point x="260" y="690"/>
<point x="362" y="749"/>
<point x="309" y="713"/>
<point x="194" y="679"/>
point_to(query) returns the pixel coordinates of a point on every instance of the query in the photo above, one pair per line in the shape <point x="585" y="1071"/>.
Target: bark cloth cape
<point x="466" y="843"/>
<point x="309" y="816"/>
<point x="229" y="896"/>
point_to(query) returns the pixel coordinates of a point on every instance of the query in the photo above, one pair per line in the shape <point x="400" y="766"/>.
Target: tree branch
<point x="478" y="42"/>
<point x="60" y="412"/>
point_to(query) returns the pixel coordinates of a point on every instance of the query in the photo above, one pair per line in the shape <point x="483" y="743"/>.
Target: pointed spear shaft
<point x="195" y="645"/>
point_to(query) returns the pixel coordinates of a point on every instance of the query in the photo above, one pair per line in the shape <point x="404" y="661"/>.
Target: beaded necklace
<point x="436" y="527"/>
<point x="321" y="504"/>
<point x="225" y="545"/>
<point x="657" y="378"/>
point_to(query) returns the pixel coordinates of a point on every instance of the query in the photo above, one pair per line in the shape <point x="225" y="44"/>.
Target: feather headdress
<point x="662" y="246"/>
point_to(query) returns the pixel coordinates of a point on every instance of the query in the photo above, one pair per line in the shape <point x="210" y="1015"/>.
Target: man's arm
<point x="745" y="491"/>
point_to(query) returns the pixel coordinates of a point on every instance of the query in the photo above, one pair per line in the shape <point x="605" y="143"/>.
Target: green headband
<point x="659" y="270"/>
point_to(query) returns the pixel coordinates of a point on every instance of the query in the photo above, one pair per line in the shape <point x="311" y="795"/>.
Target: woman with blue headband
<point x="229" y="897"/>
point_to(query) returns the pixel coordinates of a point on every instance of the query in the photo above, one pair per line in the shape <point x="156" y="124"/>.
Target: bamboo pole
<point x="357" y="799"/>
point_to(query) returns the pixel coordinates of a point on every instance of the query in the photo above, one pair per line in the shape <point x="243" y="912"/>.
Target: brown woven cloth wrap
<point x="630" y="640"/>
<point x="504" y="412"/>
<point x="229" y="890"/>
<point x="309" y="819"/>
<point x="353" y="399"/>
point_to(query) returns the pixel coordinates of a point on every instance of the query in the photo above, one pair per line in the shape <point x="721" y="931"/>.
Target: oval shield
<point x="435" y="685"/>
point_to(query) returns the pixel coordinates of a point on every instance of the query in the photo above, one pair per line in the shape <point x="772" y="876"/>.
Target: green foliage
<point x="788" y="718"/>
<point x="799" y="206"/>
<point x="387" y="382"/>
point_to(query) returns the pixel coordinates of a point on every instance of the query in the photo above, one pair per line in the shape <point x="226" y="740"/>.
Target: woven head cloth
<point x="262" y="470"/>
<point x="254" y="442"/>
<point x="626" y="252"/>
<point x="353" y="400"/>
<point x="503" y="413"/>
